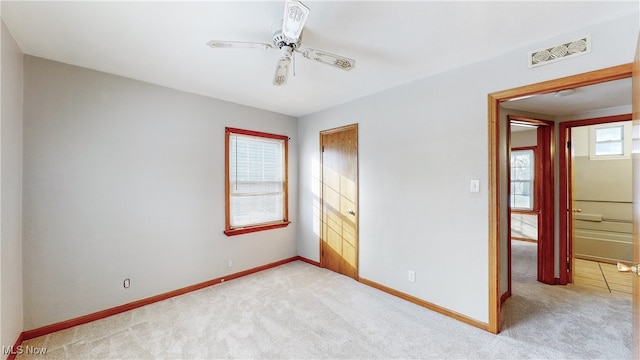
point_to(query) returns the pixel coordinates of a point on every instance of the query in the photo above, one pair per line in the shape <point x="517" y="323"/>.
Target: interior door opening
<point x="596" y="201"/>
<point x="498" y="191"/>
<point x="531" y="192"/>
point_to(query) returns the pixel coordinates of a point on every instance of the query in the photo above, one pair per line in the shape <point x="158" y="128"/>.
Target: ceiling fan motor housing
<point x="280" y="40"/>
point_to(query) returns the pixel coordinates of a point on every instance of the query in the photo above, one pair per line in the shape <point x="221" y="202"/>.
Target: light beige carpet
<point x="299" y="311"/>
<point x="576" y="321"/>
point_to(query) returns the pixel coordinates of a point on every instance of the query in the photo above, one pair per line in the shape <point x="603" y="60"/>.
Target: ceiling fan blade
<point x="282" y="67"/>
<point x="295" y="15"/>
<point x="238" y="45"/>
<point x="324" y="57"/>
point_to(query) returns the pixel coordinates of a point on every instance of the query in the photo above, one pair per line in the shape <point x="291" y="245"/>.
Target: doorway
<point x="606" y="217"/>
<point x="531" y="192"/>
<point x="339" y="200"/>
<point x="498" y="230"/>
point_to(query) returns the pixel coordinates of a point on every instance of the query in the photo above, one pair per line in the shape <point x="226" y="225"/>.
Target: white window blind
<point x="256" y="180"/>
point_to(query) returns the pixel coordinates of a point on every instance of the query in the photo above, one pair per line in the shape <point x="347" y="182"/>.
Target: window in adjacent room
<point x="522" y="179"/>
<point x="609" y="140"/>
<point x="256" y="184"/>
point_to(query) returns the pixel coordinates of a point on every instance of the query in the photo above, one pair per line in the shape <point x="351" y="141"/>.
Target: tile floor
<point x="601" y="276"/>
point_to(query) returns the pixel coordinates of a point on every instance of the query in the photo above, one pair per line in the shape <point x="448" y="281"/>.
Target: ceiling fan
<point x="288" y="38"/>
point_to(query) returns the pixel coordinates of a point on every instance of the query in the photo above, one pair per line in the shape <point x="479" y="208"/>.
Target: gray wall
<point x="11" y="307"/>
<point x="420" y="145"/>
<point x="125" y="179"/>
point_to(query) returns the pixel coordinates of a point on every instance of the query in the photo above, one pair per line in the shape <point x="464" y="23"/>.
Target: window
<point x="609" y="141"/>
<point x="522" y="176"/>
<point x="256" y="184"/>
<point x="612" y="141"/>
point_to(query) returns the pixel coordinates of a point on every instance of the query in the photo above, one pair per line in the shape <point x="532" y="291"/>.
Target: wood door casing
<point x="496" y="146"/>
<point x="339" y="199"/>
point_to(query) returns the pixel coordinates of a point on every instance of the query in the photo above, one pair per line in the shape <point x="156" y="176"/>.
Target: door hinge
<point x="322" y="148"/>
<point x="568" y="265"/>
<point x="568" y="144"/>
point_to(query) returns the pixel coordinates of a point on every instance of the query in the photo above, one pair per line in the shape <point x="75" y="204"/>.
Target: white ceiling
<point x="164" y="42"/>
<point x="601" y="96"/>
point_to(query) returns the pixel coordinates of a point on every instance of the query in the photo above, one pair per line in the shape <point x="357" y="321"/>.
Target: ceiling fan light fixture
<point x="565" y="92"/>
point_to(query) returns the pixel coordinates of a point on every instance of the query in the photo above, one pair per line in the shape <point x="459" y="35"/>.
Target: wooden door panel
<point x="350" y="256"/>
<point x="349" y="233"/>
<point x="348" y="188"/>
<point x="334" y="240"/>
<point x="339" y="237"/>
<point x="331" y="176"/>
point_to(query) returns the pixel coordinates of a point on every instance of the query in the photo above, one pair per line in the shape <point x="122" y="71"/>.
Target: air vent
<point x="560" y="52"/>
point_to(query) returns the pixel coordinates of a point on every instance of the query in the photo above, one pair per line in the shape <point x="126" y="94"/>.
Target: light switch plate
<point x="475" y="186"/>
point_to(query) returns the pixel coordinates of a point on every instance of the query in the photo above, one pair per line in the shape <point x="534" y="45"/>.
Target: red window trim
<point x="229" y="231"/>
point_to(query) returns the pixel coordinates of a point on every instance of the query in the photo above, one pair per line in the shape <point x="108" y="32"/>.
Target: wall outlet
<point x="411" y="275"/>
<point x="229" y="263"/>
<point x="126" y="283"/>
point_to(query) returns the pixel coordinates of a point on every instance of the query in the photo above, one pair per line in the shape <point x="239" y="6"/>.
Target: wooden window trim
<point x="524" y="212"/>
<point x="229" y="231"/>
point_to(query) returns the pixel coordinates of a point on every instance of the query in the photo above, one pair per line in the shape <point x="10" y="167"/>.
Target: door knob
<point x="576" y="210"/>
<point x="622" y="267"/>
<point x="351" y="212"/>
